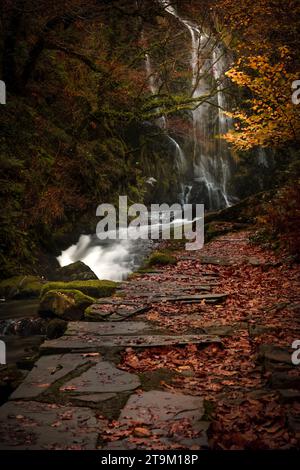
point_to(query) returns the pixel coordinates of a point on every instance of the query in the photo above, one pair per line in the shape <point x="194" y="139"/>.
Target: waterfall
<point x="180" y="158"/>
<point x="211" y="156"/>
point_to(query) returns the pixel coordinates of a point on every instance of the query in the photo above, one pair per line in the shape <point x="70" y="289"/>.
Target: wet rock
<point x="77" y="271"/>
<point x="107" y="329"/>
<point x="47" y="370"/>
<point x="276" y="354"/>
<point x="157" y="412"/>
<point x="65" y="304"/>
<point x="258" y="330"/>
<point x="95" y="343"/>
<point x="213" y="260"/>
<point x="23" y="327"/>
<point x="95" y="397"/>
<point x="103" y="377"/>
<point x="31" y="425"/>
<point x="224" y="330"/>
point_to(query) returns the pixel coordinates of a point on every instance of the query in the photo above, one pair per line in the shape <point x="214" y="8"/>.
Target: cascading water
<point x="211" y="156"/>
<point x="180" y="157"/>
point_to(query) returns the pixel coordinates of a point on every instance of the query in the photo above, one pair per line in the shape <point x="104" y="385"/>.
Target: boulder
<point x="21" y="287"/>
<point x="66" y="304"/>
<point x="78" y="271"/>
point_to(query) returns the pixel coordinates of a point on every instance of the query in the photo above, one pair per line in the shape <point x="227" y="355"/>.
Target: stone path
<point x="68" y="399"/>
<point x="82" y="392"/>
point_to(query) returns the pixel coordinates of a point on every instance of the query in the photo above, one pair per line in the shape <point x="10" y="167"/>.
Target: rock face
<point x="65" y="304"/>
<point x="21" y="287"/>
<point x="78" y="271"/>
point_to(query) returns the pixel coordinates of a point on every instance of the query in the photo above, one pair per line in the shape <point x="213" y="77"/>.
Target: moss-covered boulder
<point x="66" y="304"/>
<point x="21" y="287"/>
<point x="160" y="259"/>
<point x="92" y="288"/>
<point x="78" y="271"/>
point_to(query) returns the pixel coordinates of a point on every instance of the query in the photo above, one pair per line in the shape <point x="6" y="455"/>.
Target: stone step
<point x="94" y="343"/>
<point x="81" y="328"/>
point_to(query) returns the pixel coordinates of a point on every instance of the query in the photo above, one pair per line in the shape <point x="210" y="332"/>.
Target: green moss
<point x="68" y="304"/>
<point x="21" y="287"/>
<point x="92" y="288"/>
<point x="91" y="315"/>
<point x="160" y="259"/>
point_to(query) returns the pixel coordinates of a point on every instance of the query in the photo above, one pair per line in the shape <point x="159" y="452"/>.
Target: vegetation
<point x="21" y="287"/>
<point x="160" y="259"/>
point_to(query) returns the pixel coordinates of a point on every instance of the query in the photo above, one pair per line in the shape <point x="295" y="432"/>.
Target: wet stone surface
<point x="47" y="371"/>
<point x="102" y="377"/>
<point x="32" y="426"/>
<point x="155" y="412"/>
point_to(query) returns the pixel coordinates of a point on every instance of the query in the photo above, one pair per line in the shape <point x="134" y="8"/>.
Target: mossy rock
<point x="91" y="315"/>
<point x="77" y="271"/>
<point x="21" y="287"/>
<point x="66" y="304"/>
<point x="160" y="259"/>
<point x="92" y="288"/>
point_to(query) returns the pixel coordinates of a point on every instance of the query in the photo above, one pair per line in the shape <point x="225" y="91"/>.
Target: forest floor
<point x="190" y="356"/>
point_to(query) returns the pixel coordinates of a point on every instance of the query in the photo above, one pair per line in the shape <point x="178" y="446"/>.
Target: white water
<point x="115" y="259"/>
<point x="111" y="261"/>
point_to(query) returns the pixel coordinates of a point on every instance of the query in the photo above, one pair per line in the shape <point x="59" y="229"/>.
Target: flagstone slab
<point x="107" y="328"/>
<point x="95" y="397"/>
<point x="46" y="371"/>
<point x="31" y="425"/>
<point x="148" y="407"/>
<point x="168" y="418"/>
<point x="103" y="377"/>
<point x="93" y="343"/>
